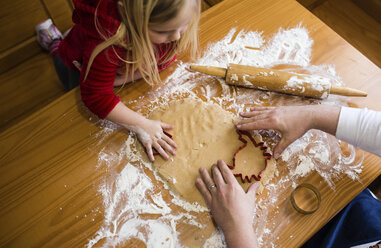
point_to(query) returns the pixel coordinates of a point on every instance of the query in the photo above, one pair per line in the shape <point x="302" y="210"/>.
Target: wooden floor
<point x="354" y="20"/>
<point x="27" y="88"/>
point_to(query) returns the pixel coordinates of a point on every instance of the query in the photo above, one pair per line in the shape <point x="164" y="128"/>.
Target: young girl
<point x="117" y="42"/>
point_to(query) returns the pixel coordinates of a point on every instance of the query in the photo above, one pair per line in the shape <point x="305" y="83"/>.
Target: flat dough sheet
<point x="204" y="133"/>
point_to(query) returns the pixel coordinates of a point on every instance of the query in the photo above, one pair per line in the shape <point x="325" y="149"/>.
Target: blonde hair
<point x="132" y="34"/>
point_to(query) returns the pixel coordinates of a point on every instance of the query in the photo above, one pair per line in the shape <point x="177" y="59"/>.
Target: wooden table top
<point x="48" y="173"/>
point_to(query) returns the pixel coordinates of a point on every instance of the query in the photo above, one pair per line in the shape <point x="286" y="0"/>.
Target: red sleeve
<point x="97" y="90"/>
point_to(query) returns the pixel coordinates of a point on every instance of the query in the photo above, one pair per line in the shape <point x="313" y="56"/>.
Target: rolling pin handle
<point x="345" y="91"/>
<point x="210" y="70"/>
<point x="270" y="81"/>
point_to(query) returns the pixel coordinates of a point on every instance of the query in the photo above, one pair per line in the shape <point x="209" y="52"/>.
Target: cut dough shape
<point x="203" y="133"/>
<point x="248" y="164"/>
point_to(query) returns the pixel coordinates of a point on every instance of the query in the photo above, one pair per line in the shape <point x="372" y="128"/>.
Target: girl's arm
<point x="98" y="96"/>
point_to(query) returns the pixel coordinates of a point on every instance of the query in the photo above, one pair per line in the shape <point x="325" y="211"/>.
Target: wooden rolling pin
<point x="279" y="81"/>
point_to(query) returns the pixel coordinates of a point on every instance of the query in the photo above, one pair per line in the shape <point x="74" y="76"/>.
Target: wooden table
<point x="48" y="174"/>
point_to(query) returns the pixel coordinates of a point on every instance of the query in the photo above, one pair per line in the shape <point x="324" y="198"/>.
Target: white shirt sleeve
<point x="361" y="128"/>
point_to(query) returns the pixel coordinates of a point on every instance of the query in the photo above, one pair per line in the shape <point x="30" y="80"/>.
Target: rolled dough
<point x="204" y="133"/>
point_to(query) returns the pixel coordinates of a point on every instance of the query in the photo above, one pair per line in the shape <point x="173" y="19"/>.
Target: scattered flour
<point x="246" y="82"/>
<point x="217" y="239"/>
<point x="234" y="77"/>
<point x="313" y="152"/>
<point x="131" y="195"/>
<point x="316" y="82"/>
<point x="304" y="167"/>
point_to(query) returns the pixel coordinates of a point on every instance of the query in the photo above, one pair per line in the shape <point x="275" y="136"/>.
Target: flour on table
<point x="216" y="240"/>
<point x="305" y="166"/>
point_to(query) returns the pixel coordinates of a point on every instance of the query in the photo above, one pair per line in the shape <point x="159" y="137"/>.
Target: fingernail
<point x="239" y="126"/>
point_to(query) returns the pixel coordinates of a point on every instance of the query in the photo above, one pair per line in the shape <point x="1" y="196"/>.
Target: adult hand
<point x="151" y="135"/>
<point x="291" y="122"/>
<point x="231" y="208"/>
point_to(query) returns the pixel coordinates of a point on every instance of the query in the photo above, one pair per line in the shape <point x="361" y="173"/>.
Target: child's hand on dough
<point x="151" y="134"/>
<point x="231" y="208"/>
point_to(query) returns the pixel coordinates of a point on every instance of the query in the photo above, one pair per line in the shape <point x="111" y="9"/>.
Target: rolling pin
<point x="279" y="81"/>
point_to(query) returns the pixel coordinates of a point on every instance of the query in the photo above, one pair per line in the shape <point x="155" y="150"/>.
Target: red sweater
<point x="97" y="90"/>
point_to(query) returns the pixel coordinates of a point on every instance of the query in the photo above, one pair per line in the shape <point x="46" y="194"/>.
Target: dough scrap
<point x="204" y="133"/>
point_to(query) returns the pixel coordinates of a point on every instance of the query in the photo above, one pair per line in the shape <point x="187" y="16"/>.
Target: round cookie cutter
<point x="316" y="194"/>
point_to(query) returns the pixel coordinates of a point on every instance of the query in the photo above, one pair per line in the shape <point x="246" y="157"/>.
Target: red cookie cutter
<point x="261" y="145"/>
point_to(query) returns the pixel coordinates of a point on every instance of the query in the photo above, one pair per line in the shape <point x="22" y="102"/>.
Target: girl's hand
<point x="231" y="208"/>
<point x="151" y="134"/>
<point x="292" y="122"/>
